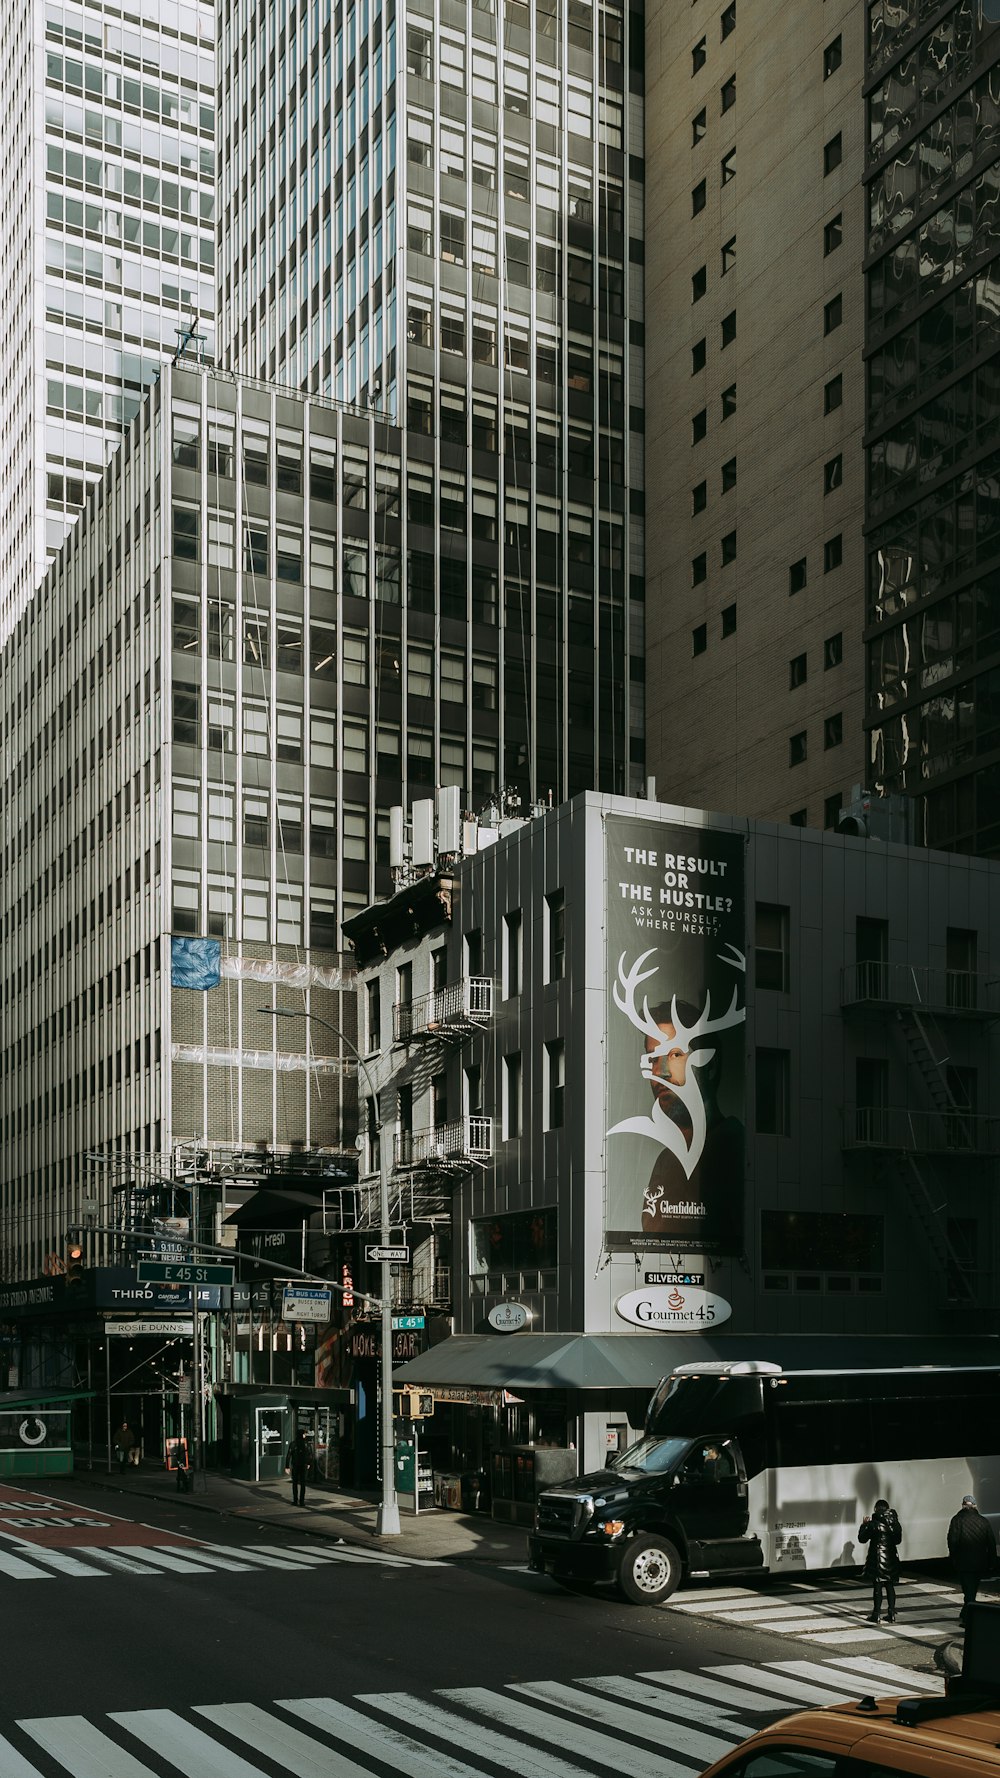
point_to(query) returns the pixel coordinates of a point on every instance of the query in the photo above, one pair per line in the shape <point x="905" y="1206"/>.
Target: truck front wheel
<point x="650" y="1570"/>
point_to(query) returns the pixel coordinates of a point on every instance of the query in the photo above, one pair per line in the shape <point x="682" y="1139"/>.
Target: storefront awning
<point x="638" y="1361"/>
<point x="543" y="1361"/>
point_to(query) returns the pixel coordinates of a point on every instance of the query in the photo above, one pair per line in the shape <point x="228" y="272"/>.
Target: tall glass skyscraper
<point x="439" y="213"/>
<point x="933" y="349"/>
<point x="107" y="143"/>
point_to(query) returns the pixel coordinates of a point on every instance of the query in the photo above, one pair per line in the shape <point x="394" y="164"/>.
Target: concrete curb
<point x="350" y="1535"/>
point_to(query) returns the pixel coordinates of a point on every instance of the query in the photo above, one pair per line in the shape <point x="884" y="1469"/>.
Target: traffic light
<point x="409" y="1404"/>
<point x="74" y="1265"/>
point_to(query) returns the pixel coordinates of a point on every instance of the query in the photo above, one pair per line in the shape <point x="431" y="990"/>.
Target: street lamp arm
<point x="313" y="1018"/>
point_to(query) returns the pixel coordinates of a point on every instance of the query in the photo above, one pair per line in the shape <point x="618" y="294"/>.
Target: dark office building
<point x="933" y="366"/>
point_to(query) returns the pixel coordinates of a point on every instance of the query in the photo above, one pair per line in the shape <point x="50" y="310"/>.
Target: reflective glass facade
<point x="933" y="350"/>
<point x="108" y="148"/>
<point x="439" y="214"/>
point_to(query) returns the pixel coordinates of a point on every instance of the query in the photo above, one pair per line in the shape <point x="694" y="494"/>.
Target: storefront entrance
<point x="270" y="1442"/>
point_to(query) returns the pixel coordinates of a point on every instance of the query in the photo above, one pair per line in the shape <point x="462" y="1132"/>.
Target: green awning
<point x="639" y="1360"/>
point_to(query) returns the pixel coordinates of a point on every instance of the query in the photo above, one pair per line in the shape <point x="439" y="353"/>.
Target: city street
<point x="231" y="1648"/>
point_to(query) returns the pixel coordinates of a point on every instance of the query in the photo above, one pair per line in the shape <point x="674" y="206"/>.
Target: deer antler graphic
<point x="658" y="1124"/>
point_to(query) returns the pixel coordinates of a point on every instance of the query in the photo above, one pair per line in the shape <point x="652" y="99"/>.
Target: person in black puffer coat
<point x="882" y="1533"/>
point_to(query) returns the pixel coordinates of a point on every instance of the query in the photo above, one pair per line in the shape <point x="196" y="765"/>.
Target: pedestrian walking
<point x="882" y="1532"/>
<point x="297" y="1465"/>
<point x="972" y="1547"/>
<point x="124" y="1443"/>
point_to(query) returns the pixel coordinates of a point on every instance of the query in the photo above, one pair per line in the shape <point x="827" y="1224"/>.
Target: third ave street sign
<point x="150" y="1271"/>
<point x="399" y="1256"/>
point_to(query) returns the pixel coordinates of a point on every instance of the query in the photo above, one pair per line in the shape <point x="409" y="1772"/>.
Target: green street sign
<point x="155" y="1271"/>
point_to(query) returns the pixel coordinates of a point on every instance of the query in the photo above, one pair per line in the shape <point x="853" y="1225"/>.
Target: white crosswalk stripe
<point x="32" y="1561"/>
<point x="665" y="1724"/>
<point x="832" y="1615"/>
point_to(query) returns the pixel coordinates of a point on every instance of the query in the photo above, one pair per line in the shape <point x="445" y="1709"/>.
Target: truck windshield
<point x="652" y="1455"/>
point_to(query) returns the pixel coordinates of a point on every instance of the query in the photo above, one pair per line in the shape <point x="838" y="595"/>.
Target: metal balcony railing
<point x="465" y="1141"/>
<point x="456" y="1010"/>
<point x="898" y="1128"/>
<point x="961" y="992"/>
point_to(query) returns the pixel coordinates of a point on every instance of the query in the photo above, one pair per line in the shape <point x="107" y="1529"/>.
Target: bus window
<point x="817" y="1432"/>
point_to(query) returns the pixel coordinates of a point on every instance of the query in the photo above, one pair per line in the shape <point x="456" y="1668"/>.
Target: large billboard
<point x="676" y="1013"/>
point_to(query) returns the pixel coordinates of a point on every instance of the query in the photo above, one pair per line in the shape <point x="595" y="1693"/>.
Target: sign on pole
<point x="300" y="1304"/>
<point x="392" y="1255"/>
<point x="157" y="1271"/>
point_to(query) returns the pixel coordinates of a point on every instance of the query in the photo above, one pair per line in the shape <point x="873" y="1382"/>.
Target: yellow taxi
<point x="869" y="1740"/>
<point x="957" y="1736"/>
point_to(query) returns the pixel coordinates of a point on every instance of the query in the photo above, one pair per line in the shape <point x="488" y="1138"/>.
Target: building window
<point x="797" y="576"/>
<point x="699" y="55"/>
<point x="832" y="58"/>
<point x="699" y="569"/>
<point x="797" y="673"/>
<point x="728" y="254"/>
<point x="833" y="730"/>
<point x="699" y="497"/>
<point x="699" y="197"/>
<point x="511" y="1096"/>
<point x="832" y="806"/>
<point x="772" y="1081"/>
<point x="698" y="354"/>
<point x="833" y="474"/>
<point x="699" y="426"/>
<point x="833" y="651"/>
<point x="833" y="153"/>
<point x="699" y="124"/>
<point x="699" y="639"/>
<point x="728" y="619"/>
<point x="833" y="314"/>
<point x="729" y="475"/>
<point x="699" y="283"/>
<point x="555" y="1083"/>
<point x="187" y="809"/>
<point x="833" y="234"/>
<point x="727" y="167"/>
<point x="185" y="533"/>
<point x="728" y="547"/>
<point x="771" y="948"/>
<point x="729" y="328"/>
<point x="555" y="936"/>
<point x="729" y="401"/>
<point x="512" y="954"/>
<point x="797" y="748"/>
<point x="728" y="20"/>
<point x="797" y="818"/>
<point x="818" y="1241"/>
<point x="727" y="93"/>
<point x="833" y="553"/>
<point x="833" y="394"/>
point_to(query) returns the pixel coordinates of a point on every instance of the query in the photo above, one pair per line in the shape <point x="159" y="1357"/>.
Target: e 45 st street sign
<point x="155" y="1271"/>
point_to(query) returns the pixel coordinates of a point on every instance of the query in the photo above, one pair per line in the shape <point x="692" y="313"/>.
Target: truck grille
<point x="557" y="1515"/>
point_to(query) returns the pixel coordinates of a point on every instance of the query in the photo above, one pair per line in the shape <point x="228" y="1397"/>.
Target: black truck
<point x="676" y="1504"/>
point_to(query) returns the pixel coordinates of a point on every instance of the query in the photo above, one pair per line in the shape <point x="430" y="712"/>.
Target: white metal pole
<point x="387" y="1523"/>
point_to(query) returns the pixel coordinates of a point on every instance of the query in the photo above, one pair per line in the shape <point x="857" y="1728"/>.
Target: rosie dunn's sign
<point x="673" y="1308"/>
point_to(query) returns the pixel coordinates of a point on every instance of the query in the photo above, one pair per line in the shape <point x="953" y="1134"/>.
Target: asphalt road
<point x="102" y="1630"/>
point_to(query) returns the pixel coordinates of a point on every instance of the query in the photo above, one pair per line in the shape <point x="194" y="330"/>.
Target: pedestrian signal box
<point x="410" y="1404"/>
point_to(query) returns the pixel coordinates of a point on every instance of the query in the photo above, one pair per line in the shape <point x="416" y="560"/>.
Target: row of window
<point x="727" y="334"/>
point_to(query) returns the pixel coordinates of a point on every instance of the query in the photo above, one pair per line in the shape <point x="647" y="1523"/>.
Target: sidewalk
<point x="435" y="1534"/>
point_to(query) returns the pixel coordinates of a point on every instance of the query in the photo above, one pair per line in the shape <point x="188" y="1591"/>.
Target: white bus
<point x="747" y="1468"/>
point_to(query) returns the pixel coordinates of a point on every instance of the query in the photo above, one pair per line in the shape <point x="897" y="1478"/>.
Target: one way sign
<point x="393" y="1255"/>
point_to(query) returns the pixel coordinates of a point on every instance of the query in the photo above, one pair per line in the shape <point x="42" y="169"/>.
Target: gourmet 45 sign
<point x="681" y="1310"/>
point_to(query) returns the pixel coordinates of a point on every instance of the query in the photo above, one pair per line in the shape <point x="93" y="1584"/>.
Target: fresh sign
<point x="673" y="1308"/>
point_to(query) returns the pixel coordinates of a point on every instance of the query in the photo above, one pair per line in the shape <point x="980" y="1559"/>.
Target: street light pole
<point x="387" y="1524"/>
